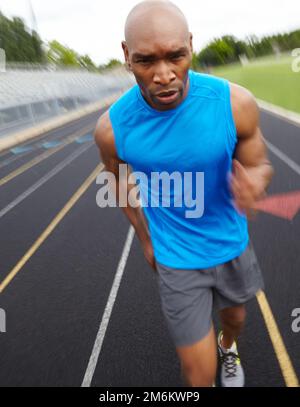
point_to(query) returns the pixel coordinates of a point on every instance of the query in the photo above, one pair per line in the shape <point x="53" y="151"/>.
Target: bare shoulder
<point x="245" y="110"/>
<point x="105" y="140"/>
<point x="103" y="135"/>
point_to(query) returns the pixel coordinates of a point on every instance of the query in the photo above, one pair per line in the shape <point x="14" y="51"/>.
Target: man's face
<point x="161" y="67"/>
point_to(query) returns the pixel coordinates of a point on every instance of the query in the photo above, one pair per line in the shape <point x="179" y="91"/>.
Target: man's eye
<point x="178" y="56"/>
<point x="143" y="61"/>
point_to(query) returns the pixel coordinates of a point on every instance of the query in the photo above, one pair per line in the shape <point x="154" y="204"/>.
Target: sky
<point x="96" y="27"/>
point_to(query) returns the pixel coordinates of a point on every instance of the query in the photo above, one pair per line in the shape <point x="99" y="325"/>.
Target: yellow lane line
<point x="282" y="355"/>
<point x="49" y="229"/>
<point x="43" y="156"/>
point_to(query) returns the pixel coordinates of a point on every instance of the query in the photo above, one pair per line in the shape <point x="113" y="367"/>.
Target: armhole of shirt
<point x="232" y="140"/>
<point x="231" y="128"/>
<point x="117" y="133"/>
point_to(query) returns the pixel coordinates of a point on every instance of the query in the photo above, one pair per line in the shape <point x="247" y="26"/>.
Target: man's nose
<point x="163" y="74"/>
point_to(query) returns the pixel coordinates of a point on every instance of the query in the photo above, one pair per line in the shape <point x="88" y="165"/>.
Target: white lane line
<point x="44" y="179"/>
<point x="278" y="111"/>
<point x="88" y="377"/>
<point x="292" y="164"/>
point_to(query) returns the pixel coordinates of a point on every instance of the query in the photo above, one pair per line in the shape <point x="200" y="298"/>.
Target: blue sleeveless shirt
<point x="197" y="136"/>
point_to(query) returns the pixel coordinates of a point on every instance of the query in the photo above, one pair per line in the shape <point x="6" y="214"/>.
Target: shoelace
<point x="229" y="360"/>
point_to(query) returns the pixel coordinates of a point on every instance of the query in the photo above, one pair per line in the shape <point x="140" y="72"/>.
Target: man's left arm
<point x="252" y="169"/>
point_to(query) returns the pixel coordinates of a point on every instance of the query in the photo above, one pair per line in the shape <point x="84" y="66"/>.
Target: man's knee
<point x="234" y="317"/>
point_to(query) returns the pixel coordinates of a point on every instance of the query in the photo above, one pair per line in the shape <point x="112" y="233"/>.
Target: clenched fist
<point x="246" y="187"/>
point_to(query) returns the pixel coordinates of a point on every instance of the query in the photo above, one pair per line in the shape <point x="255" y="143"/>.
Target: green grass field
<point x="268" y="79"/>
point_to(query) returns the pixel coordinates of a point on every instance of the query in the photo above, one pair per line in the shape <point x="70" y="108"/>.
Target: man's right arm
<point x="105" y="141"/>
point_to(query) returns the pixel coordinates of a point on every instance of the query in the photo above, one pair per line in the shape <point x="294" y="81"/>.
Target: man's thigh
<point x="187" y="301"/>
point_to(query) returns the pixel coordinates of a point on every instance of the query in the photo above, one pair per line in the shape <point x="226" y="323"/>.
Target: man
<point x="177" y="120"/>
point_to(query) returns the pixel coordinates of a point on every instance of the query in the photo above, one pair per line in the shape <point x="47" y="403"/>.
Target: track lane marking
<point x="88" y="377"/>
<point x="283" y="157"/>
<point x="43" y="156"/>
<point x="282" y="355"/>
<point x="49" y="229"/>
<point x="59" y="167"/>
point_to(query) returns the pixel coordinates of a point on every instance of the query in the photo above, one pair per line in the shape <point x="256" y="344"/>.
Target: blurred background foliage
<point x="21" y="45"/>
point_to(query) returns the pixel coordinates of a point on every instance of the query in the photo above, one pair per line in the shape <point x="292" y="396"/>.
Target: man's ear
<point x="126" y="54"/>
<point x="191" y="42"/>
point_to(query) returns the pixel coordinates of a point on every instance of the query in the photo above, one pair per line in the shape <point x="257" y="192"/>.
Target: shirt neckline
<point x="169" y="111"/>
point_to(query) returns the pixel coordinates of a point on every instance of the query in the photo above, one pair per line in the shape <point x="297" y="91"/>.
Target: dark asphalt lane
<point x="54" y="305"/>
<point x="27" y="221"/>
<point x="283" y="134"/>
<point x="19" y="184"/>
<point x="277" y="245"/>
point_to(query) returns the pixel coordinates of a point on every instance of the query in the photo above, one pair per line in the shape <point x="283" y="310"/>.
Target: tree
<point x="113" y="63"/>
<point x="218" y="52"/>
<point x="228" y="49"/>
<point x="62" y="55"/>
<point x="18" y="43"/>
<point x="86" y="62"/>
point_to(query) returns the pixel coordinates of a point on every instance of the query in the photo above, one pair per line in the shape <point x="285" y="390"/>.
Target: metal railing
<point x="35" y="93"/>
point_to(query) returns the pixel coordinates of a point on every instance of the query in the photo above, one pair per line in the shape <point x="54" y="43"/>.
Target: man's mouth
<point x="167" y="97"/>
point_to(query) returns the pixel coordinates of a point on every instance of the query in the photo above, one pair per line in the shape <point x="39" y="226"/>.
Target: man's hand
<point x="252" y="170"/>
<point x="149" y="253"/>
<point x="247" y="188"/>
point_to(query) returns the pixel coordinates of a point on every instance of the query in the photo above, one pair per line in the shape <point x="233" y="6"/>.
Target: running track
<point x="81" y="303"/>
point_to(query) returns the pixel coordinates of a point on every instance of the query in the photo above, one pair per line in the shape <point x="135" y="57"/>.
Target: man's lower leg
<point x="199" y="362"/>
<point x="232" y="320"/>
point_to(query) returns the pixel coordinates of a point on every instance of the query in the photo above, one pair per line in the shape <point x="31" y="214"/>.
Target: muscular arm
<point x="252" y="168"/>
<point x="104" y="139"/>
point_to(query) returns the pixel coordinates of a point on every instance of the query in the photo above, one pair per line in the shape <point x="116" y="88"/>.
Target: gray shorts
<point x="188" y="296"/>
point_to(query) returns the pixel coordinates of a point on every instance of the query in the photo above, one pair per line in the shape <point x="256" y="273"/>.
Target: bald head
<point x="154" y="19"/>
<point x="158" y="51"/>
